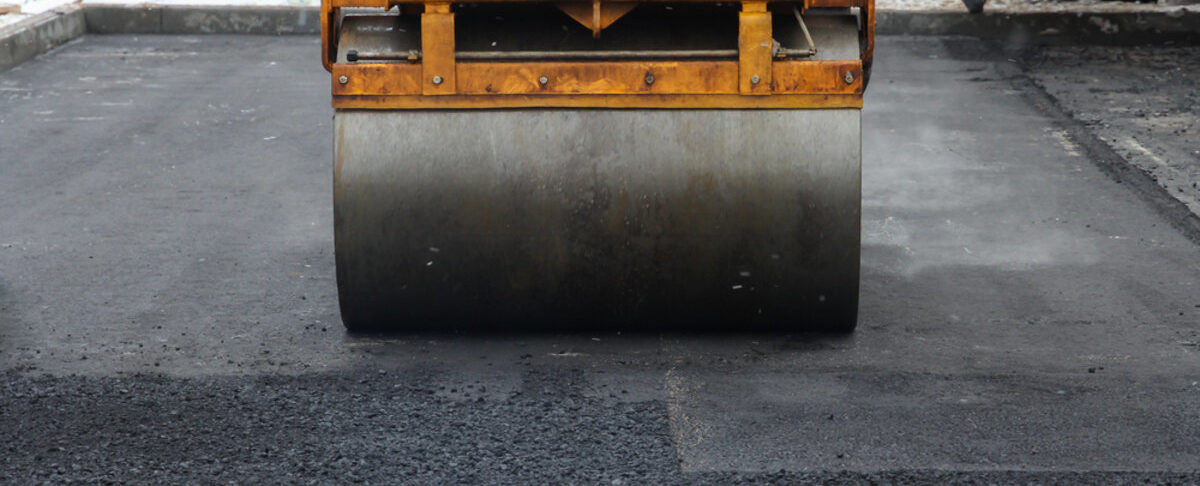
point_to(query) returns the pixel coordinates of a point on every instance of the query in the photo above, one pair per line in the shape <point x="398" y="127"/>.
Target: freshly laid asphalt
<point x="168" y="310"/>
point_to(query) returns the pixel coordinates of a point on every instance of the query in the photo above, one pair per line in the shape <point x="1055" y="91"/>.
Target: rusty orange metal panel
<point x="329" y="17"/>
<point x="754" y="48"/>
<point x="437" y="50"/>
<point x="599" y="78"/>
<point x="376" y="79"/>
<point x="724" y="101"/>
<point x="819" y="77"/>
<point x="365" y="3"/>
<point x="869" y="31"/>
<point x="694" y="77"/>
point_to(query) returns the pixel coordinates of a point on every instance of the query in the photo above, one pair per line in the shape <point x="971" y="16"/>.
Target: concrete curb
<point x="26" y="39"/>
<point x="179" y="19"/>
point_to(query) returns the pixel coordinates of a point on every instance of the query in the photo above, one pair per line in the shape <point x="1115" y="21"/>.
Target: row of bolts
<point x="849" y="77"/>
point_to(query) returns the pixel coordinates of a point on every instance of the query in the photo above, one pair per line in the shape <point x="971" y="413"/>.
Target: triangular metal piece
<point x="596" y="16"/>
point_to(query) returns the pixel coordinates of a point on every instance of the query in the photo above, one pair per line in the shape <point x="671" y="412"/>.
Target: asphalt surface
<point x="1143" y="102"/>
<point x="168" y="310"/>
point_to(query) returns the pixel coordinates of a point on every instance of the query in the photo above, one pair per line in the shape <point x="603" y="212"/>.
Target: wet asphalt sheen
<point x="168" y="307"/>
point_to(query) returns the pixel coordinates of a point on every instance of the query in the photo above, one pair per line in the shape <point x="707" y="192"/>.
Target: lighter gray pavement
<point x="168" y="309"/>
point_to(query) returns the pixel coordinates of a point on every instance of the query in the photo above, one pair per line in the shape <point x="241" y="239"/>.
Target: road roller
<point x="569" y="165"/>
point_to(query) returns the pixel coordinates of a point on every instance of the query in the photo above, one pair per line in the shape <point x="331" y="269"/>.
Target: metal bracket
<point x="812" y="49"/>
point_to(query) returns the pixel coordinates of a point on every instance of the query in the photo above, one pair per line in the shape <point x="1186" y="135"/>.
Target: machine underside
<point x="693" y="166"/>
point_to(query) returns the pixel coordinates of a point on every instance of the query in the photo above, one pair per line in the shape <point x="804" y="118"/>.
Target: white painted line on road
<point x="1134" y="144"/>
<point x="1062" y="138"/>
<point x="1174" y="181"/>
<point x="686" y="432"/>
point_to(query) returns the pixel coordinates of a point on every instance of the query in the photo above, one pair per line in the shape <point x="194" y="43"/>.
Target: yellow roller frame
<point x="439" y="81"/>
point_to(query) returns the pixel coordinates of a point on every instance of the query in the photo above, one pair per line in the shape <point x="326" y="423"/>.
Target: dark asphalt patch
<point x="382" y="428"/>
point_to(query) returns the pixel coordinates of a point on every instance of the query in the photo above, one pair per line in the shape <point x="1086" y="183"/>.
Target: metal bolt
<point x="848" y="77"/>
<point x="754" y="79"/>
<point x="543" y="80"/>
<point x="649" y="79"/>
<point x="343" y="79"/>
<point x="437" y="80"/>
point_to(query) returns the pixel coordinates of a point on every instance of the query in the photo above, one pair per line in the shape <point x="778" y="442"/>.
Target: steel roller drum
<point x="582" y="219"/>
